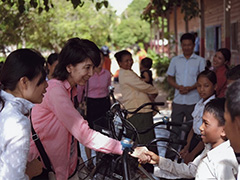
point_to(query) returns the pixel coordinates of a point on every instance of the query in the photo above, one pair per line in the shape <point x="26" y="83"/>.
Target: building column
<point x="202" y="29"/>
<point x="227" y="22"/>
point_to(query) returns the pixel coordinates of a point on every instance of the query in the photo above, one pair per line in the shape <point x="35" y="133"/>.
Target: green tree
<point x="51" y="29"/>
<point x="132" y="29"/>
<point x="41" y="5"/>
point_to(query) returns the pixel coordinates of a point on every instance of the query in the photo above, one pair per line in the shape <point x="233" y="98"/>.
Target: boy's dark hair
<point x="76" y="51"/>
<point x="146" y="62"/>
<point x="234" y="73"/>
<point x="120" y="54"/>
<point x="233" y="99"/>
<point x="52" y="58"/>
<point x="188" y="36"/>
<point x="208" y="74"/>
<point x="216" y="107"/>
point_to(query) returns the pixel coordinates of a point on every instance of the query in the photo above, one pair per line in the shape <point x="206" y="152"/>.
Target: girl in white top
<point x="206" y="87"/>
<point x="23" y="83"/>
<point x="217" y="161"/>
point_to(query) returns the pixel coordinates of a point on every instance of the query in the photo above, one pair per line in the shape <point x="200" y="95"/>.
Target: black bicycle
<point x="125" y="167"/>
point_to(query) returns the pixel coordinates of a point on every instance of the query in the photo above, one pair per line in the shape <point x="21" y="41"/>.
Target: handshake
<point x="145" y="156"/>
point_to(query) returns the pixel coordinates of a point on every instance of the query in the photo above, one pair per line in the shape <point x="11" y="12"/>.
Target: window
<point x="213" y="38"/>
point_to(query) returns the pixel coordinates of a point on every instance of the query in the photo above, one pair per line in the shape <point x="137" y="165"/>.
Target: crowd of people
<point x="42" y="98"/>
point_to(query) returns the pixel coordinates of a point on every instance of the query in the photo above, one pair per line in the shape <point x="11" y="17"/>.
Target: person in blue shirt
<point x="182" y="75"/>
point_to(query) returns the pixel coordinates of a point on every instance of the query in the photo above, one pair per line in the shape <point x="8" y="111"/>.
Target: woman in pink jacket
<point x="57" y="123"/>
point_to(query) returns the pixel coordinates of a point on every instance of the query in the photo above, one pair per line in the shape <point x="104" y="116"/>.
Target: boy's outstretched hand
<point x="144" y="156"/>
<point x="139" y="152"/>
<point x="154" y="159"/>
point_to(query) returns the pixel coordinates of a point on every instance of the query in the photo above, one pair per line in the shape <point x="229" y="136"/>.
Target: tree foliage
<point x="51" y="29"/>
<point x="132" y="29"/>
<point x="41" y="5"/>
<point x="158" y="8"/>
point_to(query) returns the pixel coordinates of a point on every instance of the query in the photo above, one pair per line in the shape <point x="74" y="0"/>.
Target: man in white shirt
<point x="182" y="75"/>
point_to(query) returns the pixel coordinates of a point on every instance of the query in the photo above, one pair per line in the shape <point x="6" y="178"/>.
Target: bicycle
<point x="124" y="167"/>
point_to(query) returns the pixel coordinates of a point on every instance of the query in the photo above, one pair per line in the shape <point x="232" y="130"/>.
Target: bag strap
<point x="40" y="148"/>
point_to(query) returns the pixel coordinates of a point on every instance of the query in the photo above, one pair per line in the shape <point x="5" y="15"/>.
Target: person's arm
<point x="172" y="82"/>
<point x="182" y="89"/>
<point x="225" y="169"/>
<point x="71" y="119"/>
<point x="171" y="168"/>
<point x="16" y="151"/>
<point x="135" y="82"/>
<point x="190" y="156"/>
<point x="184" y="151"/>
<point x="146" y="77"/>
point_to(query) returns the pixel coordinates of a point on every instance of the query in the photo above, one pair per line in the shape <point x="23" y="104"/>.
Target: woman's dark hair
<point x="52" y="58"/>
<point x="208" y="74"/>
<point x="120" y="54"/>
<point x="21" y="63"/>
<point x="226" y="53"/>
<point x="216" y="107"/>
<point x="76" y="51"/>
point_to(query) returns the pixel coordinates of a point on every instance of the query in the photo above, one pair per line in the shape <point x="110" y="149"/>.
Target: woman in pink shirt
<point x="98" y="101"/>
<point x="220" y="64"/>
<point x="57" y="123"/>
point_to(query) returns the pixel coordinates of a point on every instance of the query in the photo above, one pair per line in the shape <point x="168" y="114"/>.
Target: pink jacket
<point x="56" y="122"/>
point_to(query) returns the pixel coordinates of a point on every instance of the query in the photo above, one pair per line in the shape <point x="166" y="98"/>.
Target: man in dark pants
<point x="182" y="75"/>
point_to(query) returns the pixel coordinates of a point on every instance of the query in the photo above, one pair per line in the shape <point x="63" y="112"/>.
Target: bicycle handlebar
<point x="169" y="140"/>
<point x="144" y="105"/>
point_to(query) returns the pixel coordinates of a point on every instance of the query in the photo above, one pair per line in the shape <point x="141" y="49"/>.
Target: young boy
<point x="217" y="161"/>
<point x="232" y="117"/>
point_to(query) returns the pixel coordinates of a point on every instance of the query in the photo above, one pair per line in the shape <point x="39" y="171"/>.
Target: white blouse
<point x="15" y="130"/>
<point x="198" y="113"/>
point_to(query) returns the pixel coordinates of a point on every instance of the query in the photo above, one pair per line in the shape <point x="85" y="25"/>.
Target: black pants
<point x="179" y="114"/>
<point x="96" y="111"/>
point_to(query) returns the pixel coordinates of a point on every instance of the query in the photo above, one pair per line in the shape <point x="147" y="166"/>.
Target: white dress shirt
<point x="219" y="163"/>
<point x="15" y="130"/>
<point x="198" y="113"/>
<point x="186" y="71"/>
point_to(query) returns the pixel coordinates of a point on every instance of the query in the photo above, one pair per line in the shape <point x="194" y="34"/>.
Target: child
<point x="206" y="87"/>
<point x="146" y="76"/>
<point x="217" y="161"/>
<point x="232" y="116"/>
<point x="146" y="73"/>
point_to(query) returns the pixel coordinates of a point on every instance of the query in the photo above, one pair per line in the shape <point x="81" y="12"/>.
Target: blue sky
<point x="119" y="5"/>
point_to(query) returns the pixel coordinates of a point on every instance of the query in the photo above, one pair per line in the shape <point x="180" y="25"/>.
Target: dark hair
<point x="234" y="73"/>
<point x="21" y="63"/>
<point x="208" y="64"/>
<point x="226" y="53"/>
<point x="233" y="99"/>
<point x="76" y="51"/>
<point x="146" y="62"/>
<point x="208" y="74"/>
<point x="105" y="50"/>
<point x="216" y="107"/>
<point x="52" y="58"/>
<point x="120" y="54"/>
<point x="188" y="36"/>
